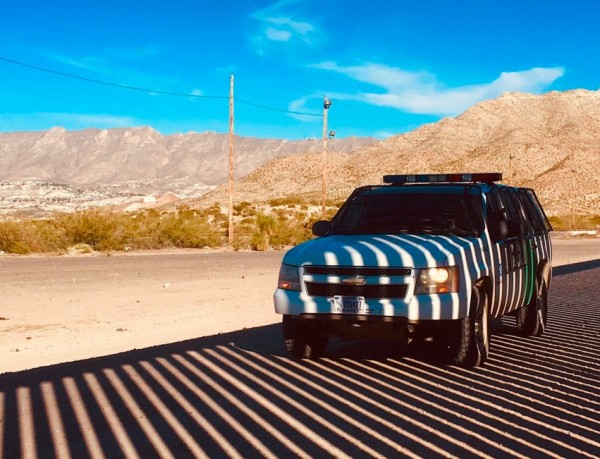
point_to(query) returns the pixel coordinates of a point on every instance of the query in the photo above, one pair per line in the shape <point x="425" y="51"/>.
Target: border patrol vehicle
<point x="421" y="257"/>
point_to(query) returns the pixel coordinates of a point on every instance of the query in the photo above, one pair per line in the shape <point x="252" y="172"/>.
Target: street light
<point x="326" y="105"/>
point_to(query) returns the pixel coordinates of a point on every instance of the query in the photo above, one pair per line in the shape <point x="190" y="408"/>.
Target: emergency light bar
<point x="483" y="177"/>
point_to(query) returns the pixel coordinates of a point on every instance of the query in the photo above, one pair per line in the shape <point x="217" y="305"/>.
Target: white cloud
<point x="278" y="35"/>
<point x="422" y="93"/>
<point x="278" y="24"/>
<point x="288" y="26"/>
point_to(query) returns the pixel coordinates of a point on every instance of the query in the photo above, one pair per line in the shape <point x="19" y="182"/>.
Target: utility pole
<point x="573" y="189"/>
<point x="326" y="105"/>
<point x="230" y="236"/>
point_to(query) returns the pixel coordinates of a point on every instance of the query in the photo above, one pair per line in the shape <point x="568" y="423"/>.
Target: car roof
<point x="438" y="188"/>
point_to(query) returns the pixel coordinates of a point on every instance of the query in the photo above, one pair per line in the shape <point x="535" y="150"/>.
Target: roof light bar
<point x="483" y="177"/>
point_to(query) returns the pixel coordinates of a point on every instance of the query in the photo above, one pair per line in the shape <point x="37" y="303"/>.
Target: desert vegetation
<point x="276" y="224"/>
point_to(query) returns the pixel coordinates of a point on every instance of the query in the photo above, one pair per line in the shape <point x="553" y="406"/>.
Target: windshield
<point x="410" y="212"/>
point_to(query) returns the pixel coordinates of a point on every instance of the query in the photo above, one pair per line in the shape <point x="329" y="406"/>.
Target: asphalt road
<point x="239" y="395"/>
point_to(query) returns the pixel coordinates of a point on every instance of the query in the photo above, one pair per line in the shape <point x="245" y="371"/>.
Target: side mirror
<point x="321" y="227"/>
<point x="508" y="229"/>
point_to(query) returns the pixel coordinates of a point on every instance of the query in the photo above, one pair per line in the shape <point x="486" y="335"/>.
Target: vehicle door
<point x="509" y="235"/>
<point x="540" y="244"/>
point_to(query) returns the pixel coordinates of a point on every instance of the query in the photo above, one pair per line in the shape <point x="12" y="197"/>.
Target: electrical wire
<point x="151" y="91"/>
<point x="106" y="83"/>
<point x="274" y="109"/>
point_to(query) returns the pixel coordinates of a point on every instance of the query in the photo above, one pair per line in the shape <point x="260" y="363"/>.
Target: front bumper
<point x="446" y="306"/>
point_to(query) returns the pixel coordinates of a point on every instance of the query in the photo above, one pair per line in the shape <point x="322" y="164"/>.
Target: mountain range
<point x="550" y="142"/>
<point x="65" y="170"/>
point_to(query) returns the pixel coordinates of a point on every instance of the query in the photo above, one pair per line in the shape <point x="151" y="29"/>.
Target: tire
<point x="301" y="340"/>
<point x="533" y="317"/>
<point x="471" y="338"/>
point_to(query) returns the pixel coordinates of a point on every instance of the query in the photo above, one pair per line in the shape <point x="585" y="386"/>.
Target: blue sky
<point x="388" y="66"/>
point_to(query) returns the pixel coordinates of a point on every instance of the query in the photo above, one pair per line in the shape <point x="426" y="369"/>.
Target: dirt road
<point x="59" y="309"/>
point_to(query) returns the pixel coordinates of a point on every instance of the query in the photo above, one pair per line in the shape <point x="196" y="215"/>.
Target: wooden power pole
<point x="326" y="105"/>
<point x="230" y="235"/>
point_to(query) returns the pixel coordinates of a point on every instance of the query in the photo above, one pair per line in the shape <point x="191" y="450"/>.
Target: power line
<point x="151" y="91"/>
<point x="275" y="109"/>
<point x="106" y="83"/>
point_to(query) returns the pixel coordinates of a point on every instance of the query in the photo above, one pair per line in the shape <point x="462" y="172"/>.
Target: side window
<point x="513" y="210"/>
<point x="541" y="223"/>
<point x="502" y="204"/>
<point x="496" y="210"/>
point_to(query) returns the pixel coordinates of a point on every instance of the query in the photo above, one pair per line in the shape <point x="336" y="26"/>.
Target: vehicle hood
<point x="416" y="251"/>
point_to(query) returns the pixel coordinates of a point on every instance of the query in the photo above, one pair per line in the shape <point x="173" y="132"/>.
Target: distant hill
<point x="549" y="142"/>
<point x="113" y="156"/>
<point x="64" y="170"/>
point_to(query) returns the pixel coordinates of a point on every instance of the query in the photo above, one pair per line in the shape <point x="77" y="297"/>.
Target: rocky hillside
<point x="550" y="142"/>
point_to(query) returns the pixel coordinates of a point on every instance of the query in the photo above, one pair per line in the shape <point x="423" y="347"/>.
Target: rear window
<point x="420" y="212"/>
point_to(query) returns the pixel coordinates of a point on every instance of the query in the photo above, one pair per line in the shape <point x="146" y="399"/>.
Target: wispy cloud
<point x="117" y="65"/>
<point x="279" y="23"/>
<point x="422" y="93"/>
<point x="299" y="106"/>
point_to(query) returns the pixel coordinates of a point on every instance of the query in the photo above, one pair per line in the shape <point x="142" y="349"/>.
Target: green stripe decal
<point x="529" y="272"/>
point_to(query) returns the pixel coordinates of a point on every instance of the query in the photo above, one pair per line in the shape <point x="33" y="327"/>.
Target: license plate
<point x="348" y="303"/>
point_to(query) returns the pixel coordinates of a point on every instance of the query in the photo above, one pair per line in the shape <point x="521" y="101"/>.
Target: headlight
<point x="437" y="280"/>
<point x="289" y="277"/>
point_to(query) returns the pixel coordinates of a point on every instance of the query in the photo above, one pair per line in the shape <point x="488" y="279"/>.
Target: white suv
<point x="429" y="257"/>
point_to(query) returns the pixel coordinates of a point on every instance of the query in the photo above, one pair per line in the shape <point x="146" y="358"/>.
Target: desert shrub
<point x="186" y="214"/>
<point x="240" y="242"/>
<point x="280" y="229"/>
<point x="290" y="232"/>
<point x="289" y="201"/>
<point x="49" y="237"/>
<point x="565" y="222"/>
<point x="259" y="241"/>
<point x="243" y="208"/>
<point x="99" y="229"/>
<point x="187" y="233"/>
<point x="12" y="238"/>
<point x="595" y="221"/>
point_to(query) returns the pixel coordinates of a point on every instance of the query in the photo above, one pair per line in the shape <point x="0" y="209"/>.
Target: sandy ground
<point x="57" y="309"/>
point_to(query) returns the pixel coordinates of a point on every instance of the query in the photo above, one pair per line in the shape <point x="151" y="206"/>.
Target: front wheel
<point x="301" y="340"/>
<point x="533" y="317"/>
<point x="470" y="340"/>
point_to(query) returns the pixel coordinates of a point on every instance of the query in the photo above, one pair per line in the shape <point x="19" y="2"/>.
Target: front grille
<point x="368" y="291"/>
<point x="355" y="271"/>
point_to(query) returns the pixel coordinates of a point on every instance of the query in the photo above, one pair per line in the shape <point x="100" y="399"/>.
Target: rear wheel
<point x="301" y="340"/>
<point x="533" y="317"/>
<point x="470" y="340"/>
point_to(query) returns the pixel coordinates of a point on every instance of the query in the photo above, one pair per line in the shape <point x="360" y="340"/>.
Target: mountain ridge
<point x="60" y="170"/>
<point x="534" y="140"/>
